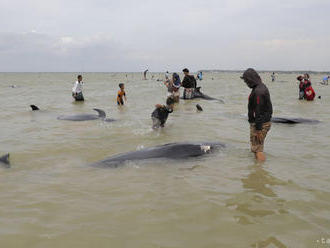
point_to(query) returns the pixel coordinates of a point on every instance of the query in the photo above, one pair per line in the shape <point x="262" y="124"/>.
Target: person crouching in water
<point x="189" y="83"/>
<point x="121" y="95"/>
<point x="173" y="87"/>
<point x="160" y="114"/>
<point x="260" y="112"/>
<point x="77" y="89"/>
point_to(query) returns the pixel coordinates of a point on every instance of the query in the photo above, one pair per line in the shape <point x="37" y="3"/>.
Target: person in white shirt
<point x="77" y="89"/>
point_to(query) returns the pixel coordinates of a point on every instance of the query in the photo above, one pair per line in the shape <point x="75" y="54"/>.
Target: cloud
<point x="129" y="35"/>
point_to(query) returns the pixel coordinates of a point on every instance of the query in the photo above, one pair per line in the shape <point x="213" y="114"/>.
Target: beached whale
<point x="4" y="161"/>
<point x="199" y="94"/>
<point x="287" y="120"/>
<point x="167" y="151"/>
<point x="86" y="117"/>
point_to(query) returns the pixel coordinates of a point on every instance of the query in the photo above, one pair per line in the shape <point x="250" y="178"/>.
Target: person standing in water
<point x="273" y="77"/>
<point x="326" y="80"/>
<point x="77" y="89"/>
<point x="189" y="83"/>
<point x="145" y="74"/>
<point x="121" y="95"/>
<point x="260" y="112"/>
<point x="173" y="87"/>
<point x="301" y="87"/>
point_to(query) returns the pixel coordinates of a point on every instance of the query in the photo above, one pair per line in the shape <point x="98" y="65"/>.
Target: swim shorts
<point x="256" y="145"/>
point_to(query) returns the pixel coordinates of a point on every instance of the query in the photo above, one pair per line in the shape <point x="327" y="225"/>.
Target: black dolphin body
<point x="287" y="120"/>
<point x="168" y="151"/>
<point x="199" y="94"/>
<point x="86" y="117"/>
<point x="4" y="161"/>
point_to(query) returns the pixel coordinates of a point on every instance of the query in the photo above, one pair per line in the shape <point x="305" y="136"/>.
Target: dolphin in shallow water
<point x="4" y="161"/>
<point x="34" y="107"/>
<point x="86" y="117"/>
<point x="167" y="151"/>
<point x="199" y="94"/>
<point x="287" y="120"/>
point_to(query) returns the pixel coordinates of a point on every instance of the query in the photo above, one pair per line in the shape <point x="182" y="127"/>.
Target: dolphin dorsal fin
<point x="34" y="107"/>
<point x="100" y="112"/>
<point x="5" y="159"/>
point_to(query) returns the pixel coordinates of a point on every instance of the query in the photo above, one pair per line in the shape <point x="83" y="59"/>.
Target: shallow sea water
<point x="52" y="197"/>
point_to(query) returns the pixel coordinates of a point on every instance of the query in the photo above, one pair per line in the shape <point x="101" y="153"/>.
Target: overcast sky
<point x="131" y="35"/>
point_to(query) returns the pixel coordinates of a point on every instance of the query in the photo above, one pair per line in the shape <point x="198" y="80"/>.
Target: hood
<point x="252" y="78"/>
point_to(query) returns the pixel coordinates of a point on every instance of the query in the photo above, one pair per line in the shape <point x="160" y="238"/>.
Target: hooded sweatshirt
<point x="260" y="106"/>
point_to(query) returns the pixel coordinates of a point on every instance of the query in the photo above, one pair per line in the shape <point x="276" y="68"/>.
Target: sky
<point x="130" y="36"/>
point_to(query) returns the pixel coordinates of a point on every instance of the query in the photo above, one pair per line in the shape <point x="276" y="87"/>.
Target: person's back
<point x="160" y="114"/>
<point x="189" y="83"/>
<point x="309" y="93"/>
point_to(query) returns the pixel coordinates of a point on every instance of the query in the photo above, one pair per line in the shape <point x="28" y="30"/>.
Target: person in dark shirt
<point x="260" y="112"/>
<point x="189" y="83"/>
<point x="160" y="114"/>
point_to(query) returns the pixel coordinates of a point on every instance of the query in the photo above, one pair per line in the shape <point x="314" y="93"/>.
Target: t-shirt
<point x="77" y="87"/>
<point x="161" y="114"/>
<point x="189" y="81"/>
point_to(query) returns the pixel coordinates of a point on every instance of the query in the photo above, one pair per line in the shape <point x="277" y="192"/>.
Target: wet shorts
<point x="78" y="96"/>
<point x="156" y="123"/>
<point x="257" y="146"/>
<point x="188" y="93"/>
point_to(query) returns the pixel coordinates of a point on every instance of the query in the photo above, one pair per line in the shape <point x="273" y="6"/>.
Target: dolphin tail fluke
<point x="100" y="112"/>
<point x="34" y="107"/>
<point x="5" y="160"/>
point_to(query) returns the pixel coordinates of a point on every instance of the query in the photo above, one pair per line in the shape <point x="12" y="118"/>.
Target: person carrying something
<point x="189" y="83"/>
<point x="160" y="114"/>
<point x="77" y="89"/>
<point x="260" y="112"/>
<point x="121" y="95"/>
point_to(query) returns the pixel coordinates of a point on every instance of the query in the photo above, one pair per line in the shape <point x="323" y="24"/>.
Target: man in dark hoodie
<point x="189" y="83"/>
<point x="260" y="112"/>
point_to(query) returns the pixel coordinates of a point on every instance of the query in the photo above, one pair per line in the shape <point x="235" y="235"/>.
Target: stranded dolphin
<point x="167" y="151"/>
<point x="4" y="161"/>
<point x="86" y="117"/>
<point x="199" y="94"/>
<point x="287" y="120"/>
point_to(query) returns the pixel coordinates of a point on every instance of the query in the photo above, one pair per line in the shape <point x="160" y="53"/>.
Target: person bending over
<point x="160" y="114"/>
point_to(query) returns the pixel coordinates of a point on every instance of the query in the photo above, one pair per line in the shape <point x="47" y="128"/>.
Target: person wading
<point x="260" y="112"/>
<point x="189" y="83"/>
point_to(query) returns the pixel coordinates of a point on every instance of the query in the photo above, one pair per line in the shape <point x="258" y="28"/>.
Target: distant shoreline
<point x="205" y="71"/>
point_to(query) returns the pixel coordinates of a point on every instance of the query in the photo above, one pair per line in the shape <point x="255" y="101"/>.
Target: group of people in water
<point x="306" y="90"/>
<point x="260" y="108"/>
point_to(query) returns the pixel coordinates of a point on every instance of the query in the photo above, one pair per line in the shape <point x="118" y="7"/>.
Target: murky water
<point x="51" y="197"/>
